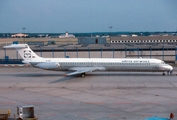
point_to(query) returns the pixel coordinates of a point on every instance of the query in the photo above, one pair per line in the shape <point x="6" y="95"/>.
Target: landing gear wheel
<point x="83" y="75"/>
<point x="163" y="73"/>
<point x="169" y="72"/>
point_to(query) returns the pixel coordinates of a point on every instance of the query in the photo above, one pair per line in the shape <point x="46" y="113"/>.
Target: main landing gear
<point x="83" y="75"/>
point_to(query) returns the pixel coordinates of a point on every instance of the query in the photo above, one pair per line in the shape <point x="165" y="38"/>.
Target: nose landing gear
<point x="170" y="72"/>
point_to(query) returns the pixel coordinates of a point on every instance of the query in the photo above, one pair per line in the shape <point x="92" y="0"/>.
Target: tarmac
<point x="98" y="96"/>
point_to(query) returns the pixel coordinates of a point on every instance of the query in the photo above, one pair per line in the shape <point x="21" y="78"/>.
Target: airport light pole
<point x="24" y="34"/>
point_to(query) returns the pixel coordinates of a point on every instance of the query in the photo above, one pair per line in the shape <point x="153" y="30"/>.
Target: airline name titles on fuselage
<point x="135" y="61"/>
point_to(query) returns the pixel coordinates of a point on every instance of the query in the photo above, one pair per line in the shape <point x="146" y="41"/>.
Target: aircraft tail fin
<point x="24" y="50"/>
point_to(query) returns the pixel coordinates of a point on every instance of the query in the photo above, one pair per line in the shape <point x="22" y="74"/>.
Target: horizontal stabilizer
<point x="16" y="46"/>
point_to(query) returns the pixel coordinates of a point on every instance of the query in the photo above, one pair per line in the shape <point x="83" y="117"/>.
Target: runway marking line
<point x="145" y="115"/>
<point x="114" y="115"/>
<point x="95" y="103"/>
<point x="150" y="103"/>
<point x="122" y="103"/>
<point x="35" y="103"/>
<point x="7" y="103"/>
<point x="63" y="103"/>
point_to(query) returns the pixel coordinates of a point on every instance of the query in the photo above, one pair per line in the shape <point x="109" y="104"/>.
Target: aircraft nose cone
<point x="170" y="68"/>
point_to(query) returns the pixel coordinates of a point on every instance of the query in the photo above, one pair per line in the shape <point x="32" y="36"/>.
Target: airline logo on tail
<point x="27" y="53"/>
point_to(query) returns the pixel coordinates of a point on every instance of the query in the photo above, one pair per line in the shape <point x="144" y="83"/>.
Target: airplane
<point x="81" y="66"/>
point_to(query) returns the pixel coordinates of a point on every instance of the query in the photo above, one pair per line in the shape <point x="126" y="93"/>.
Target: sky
<point x="84" y="16"/>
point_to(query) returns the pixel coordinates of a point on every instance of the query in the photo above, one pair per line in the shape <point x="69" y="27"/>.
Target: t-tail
<point x="25" y="52"/>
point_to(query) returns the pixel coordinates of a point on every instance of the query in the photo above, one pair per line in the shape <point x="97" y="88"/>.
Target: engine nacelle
<point x="48" y="65"/>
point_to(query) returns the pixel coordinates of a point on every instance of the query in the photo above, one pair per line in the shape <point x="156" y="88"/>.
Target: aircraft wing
<point x="80" y="70"/>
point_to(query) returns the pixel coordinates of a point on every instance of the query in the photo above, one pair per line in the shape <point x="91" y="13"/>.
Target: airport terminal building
<point x="98" y="40"/>
<point x="144" y="39"/>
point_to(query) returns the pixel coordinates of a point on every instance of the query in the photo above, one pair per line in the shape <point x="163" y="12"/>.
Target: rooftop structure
<point x="19" y="35"/>
<point x="66" y="35"/>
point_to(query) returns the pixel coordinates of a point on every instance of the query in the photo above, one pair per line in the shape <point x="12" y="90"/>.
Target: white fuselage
<point x="105" y="64"/>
